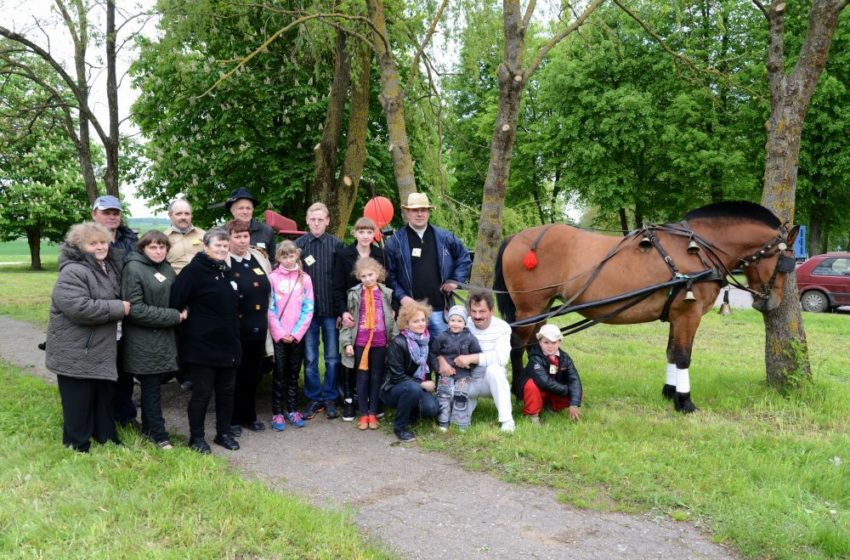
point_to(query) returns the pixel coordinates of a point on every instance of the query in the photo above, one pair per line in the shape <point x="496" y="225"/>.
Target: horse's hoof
<point x="668" y="392"/>
<point x="684" y="404"/>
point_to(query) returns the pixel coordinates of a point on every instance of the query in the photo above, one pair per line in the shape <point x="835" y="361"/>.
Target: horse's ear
<point x="792" y="235"/>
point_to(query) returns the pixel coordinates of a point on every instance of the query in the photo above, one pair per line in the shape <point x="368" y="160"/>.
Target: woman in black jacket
<point x="409" y="388"/>
<point x="209" y="337"/>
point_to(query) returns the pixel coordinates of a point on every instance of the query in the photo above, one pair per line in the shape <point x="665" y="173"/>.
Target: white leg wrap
<point x="683" y="381"/>
<point x="672" y="375"/>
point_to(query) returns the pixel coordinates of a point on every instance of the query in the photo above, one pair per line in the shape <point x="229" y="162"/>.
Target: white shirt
<point x="495" y="342"/>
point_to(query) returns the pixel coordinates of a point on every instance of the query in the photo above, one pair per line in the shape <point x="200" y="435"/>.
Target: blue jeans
<point x="411" y="402"/>
<point x="437" y="324"/>
<point x="314" y="390"/>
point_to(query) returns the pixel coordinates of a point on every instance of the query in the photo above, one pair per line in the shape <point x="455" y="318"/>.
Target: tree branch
<point x="415" y="64"/>
<point x="529" y="11"/>
<point x="559" y="36"/>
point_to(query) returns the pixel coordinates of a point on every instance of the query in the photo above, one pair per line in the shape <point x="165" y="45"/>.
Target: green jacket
<point x="148" y="342"/>
<point x="349" y="335"/>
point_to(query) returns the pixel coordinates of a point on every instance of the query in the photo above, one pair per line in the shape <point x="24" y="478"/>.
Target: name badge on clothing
<point x="259" y="271"/>
<point x="553" y="369"/>
<point x="159" y="277"/>
<point x="416" y="253"/>
<point x="235" y="287"/>
<point x="309" y="260"/>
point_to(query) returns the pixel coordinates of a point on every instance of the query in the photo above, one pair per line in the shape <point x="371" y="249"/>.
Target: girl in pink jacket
<point x="290" y="313"/>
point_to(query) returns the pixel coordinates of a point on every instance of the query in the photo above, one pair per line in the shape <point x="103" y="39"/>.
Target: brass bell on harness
<point x="689" y="295"/>
<point x="725" y="308"/>
<point x="693" y="248"/>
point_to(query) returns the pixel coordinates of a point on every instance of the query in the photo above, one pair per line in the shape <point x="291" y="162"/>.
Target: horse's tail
<point x="506" y="304"/>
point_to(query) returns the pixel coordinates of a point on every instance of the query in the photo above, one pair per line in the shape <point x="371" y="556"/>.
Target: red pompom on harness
<point x="530" y="258"/>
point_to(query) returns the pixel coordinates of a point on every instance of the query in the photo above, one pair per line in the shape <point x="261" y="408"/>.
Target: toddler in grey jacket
<point x="452" y="390"/>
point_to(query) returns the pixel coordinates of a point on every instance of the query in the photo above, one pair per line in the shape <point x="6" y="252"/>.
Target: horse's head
<point x="767" y="268"/>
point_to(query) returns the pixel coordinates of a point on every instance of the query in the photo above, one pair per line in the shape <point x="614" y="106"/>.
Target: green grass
<point x="136" y="501"/>
<point x="25" y="293"/>
<point x="764" y="473"/>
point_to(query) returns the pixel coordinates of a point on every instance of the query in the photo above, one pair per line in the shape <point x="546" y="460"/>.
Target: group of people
<point x="211" y="307"/>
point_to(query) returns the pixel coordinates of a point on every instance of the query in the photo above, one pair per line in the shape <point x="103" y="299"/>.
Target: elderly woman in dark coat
<point x="85" y="315"/>
<point x="149" y="348"/>
<point x="209" y="337"/>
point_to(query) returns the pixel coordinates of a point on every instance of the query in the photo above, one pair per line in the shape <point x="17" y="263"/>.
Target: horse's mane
<point x="736" y="209"/>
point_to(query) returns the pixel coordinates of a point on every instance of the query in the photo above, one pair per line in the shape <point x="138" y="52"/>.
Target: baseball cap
<point x="106" y="202"/>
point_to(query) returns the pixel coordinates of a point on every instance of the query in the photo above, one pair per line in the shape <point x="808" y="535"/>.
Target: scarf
<point x="367" y="298"/>
<point x="417" y="345"/>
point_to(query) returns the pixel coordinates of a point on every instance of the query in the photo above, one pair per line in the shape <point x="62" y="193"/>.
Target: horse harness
<point x="715" y="271"/>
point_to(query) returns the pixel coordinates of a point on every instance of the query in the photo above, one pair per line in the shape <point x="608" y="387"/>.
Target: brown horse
<point x="671" y="272"/>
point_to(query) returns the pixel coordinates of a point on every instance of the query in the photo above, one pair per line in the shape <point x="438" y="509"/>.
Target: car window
<point x="833" y="267"/>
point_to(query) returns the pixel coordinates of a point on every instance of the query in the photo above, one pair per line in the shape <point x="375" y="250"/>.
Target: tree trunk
<point x="355" y="149"/>
<point x="786" y="351"/>
<point x="511" y="83"/>
<point x="324" y="183"/>
<point x="392" y="101"/>
<point x="814" y="240"/>
<point x="34" y="242"/>
<point x="624" y="221"/>
<point x="110" y="178"/>
<point x="80" y="39"/>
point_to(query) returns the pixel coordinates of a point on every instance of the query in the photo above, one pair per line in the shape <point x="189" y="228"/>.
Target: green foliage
<point x="42" y="192"/>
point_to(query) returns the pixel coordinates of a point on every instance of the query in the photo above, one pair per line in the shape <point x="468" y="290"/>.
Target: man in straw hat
<point x="425" y="262"/>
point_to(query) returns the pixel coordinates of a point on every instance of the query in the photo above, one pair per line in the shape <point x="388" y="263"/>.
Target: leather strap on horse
<point x="530" y="258"/>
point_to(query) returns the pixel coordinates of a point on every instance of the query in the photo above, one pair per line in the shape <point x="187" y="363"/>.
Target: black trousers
<point x="153" y="424"/>
<point x="248" y="376"/>
<point x="205" y="381"/>
<point x="369" y="381"/>
<point x="288" y="358"/>
<point x="124" y="407"/>
<point x="87" y="411"/>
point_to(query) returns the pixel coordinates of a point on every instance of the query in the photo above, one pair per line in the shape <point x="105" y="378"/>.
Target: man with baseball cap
<point x="106" y="211"/>
<point x="241" y="204"/>
<point x="425" y="262"/>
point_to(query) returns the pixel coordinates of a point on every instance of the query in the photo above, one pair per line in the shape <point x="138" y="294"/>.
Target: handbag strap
<point x="280" y="316"/>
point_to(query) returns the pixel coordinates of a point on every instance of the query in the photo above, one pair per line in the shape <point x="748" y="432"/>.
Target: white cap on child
<point x="457" y="310"/>
<point x="551" y="333"/>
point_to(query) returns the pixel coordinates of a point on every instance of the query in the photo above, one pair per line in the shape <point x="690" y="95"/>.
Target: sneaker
<point x="165" y="444"/>
<point x="363" y="423"/>
<point x="278" y="423"/>
<point x="508" y="427"/>
<point x="332" y="412"/>
<point x="373" y="422"/>
<point x="534" y="419"/>
<point x="348" y="410"/>
<point x="404" y="435"/>
<point x="296" y="419"/>
<point x="313" y="409"/>
<point x="443" y="428"/>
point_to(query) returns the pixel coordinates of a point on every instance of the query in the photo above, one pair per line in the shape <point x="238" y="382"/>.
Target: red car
<point x="824" y="282"/>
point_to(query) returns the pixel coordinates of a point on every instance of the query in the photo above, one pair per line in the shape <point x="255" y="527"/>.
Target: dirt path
<point x="420" y="505"/>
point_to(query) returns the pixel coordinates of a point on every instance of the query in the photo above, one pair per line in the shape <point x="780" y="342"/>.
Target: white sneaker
<point x="508" y="427"/>
<point x="443" y="429"/>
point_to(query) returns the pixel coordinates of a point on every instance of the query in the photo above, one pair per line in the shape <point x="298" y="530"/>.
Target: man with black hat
<point x="425" y="262"/>
<point x="241" y="204"/>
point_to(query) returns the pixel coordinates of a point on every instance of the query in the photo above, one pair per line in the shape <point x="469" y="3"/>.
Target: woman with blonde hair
<point x="409" y="387"/>
<point x="86" y="310"/>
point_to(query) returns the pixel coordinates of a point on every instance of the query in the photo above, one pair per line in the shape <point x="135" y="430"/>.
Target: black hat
<point x="238" y="194"/>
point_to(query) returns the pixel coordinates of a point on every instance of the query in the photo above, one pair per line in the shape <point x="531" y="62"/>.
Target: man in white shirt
<point x="489" y="378"/>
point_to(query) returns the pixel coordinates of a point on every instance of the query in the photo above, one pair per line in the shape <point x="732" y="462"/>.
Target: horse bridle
<point x="785" y="263"/>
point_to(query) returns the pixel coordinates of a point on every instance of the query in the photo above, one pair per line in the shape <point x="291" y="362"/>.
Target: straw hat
<point x="417" y="200"/>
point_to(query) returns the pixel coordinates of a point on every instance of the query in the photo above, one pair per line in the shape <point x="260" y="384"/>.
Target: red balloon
<point x="379" y="210"/>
